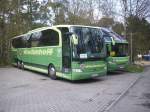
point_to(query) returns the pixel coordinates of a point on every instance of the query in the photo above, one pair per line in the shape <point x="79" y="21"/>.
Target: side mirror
<point x="113" y="42"/>
<point x="74" y="39"/>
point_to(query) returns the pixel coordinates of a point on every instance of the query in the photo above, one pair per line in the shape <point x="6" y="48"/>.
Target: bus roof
<point x="116" y="37"/>
<point x="55" y="26"/>
<point x="39" y="29"/>
<point x="75" y="26"/>
<point x="106" y="29"/>
<point x="18" y="36"/>
<point x="31" y="31"/>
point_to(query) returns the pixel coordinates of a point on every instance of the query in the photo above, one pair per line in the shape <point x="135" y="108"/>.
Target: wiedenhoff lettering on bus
<point x="38" y="52"/>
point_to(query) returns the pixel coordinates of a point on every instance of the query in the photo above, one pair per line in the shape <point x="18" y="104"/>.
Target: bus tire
<point x="22" y="65"/>
<point x="18" y="64"/>
<point x="52" y="72"/>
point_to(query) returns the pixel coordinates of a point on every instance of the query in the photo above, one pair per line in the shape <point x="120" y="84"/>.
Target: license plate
<point x="121" y="66"/>
<point x="94" y="75"/>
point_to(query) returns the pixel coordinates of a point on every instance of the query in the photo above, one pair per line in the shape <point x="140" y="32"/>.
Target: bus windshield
<point x="90" y="43"/>
<point x="108" y="34"/>
<point x="120" y="49"/>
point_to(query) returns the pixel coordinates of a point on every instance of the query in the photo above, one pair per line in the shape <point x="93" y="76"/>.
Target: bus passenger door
<point x="66" y="55"/>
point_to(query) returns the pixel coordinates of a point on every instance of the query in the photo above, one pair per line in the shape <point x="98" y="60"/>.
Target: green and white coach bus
<point x="72" y="52"/>
<point x="117" y="50"/>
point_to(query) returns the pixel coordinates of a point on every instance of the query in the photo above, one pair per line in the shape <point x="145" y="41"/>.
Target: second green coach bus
<point x="69" y="51"/>
<point x="117" y="50"/>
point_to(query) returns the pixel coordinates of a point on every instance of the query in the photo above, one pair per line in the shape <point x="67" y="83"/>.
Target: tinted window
<point x="63" y="32"/>
<point x="120" y="50"/>
<point x="19" y="42"/>
<point x="106" y="35"/>
<point x="49" y="38"/>
<point x="35" y="39"/>
<point x="27" y="40"/>
<point x="90" y="41"/>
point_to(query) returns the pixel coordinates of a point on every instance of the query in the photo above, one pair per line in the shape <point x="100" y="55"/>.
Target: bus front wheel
<point x="52" y="72"/>
<point x="18" y="64"/>
<point x="22" y="65"/>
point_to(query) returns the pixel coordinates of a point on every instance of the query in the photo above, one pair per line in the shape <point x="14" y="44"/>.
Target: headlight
<point x="76" y="70"/>
<point x="82" y="66"/>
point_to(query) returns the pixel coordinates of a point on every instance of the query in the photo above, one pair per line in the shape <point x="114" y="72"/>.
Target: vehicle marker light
<point x="76" y="70"/>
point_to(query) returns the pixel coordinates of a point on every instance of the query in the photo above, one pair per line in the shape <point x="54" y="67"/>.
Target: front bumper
<point x="85" y="75"/>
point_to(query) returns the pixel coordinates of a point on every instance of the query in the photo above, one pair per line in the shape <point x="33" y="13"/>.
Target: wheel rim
<point x="22" y="65"/>
<point x="18" y="64"/>
<point x="52" y="71"/>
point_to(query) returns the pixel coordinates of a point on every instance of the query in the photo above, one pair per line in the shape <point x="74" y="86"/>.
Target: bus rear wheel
<point x="52" y="72"/>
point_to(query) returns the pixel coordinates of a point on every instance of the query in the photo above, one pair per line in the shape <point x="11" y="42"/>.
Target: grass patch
<point x="135" y="68"/>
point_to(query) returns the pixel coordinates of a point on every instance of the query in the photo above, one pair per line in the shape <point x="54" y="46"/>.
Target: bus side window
<point x="35" y="39"/>
<point x="14" y="43"/>
<point x="26" y="41"/>
<point x="49" y="38"/>
<point x="18" y="42"/>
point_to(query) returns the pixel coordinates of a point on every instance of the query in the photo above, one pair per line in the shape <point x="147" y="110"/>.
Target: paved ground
<point x="26" y="91"/>
<point x="138" y="97"/>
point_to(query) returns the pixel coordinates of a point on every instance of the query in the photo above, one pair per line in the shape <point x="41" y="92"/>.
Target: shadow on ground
<point x="83" y="81"/>
<point x="121" y="72"/>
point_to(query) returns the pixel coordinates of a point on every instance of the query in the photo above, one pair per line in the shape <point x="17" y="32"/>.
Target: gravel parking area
<point x="27" y="91"/>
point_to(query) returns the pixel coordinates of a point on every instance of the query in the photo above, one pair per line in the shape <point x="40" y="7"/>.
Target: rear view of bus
<point x="86" y="55"/>
<point x="117" y="50"/>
